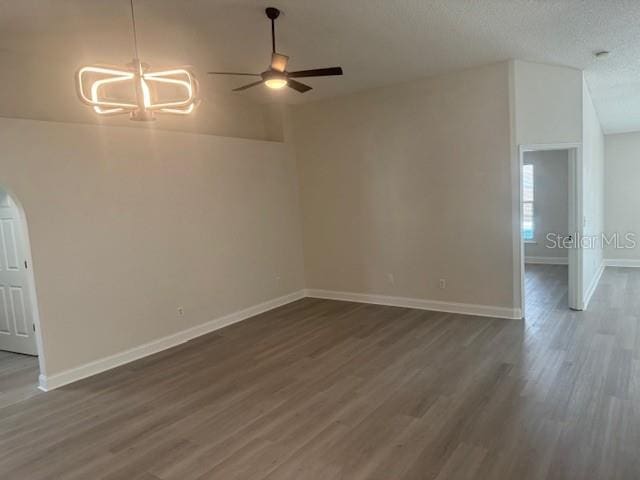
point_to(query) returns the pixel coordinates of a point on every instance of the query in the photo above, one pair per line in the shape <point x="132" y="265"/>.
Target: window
<point x="528" y="227"/>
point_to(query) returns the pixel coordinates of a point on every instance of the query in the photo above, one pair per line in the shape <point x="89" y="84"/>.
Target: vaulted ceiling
<point x="378" y="42"/>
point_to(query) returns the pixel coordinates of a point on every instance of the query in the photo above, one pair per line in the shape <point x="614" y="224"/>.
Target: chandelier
<point x="137" y="89"/>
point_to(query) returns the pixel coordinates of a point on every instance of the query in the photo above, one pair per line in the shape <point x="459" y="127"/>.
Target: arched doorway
<point x="20" y="342"/>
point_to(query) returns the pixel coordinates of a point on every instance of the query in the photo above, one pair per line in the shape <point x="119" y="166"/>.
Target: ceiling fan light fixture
<point x="277" y="76"/>
<point x="276" y="83"/>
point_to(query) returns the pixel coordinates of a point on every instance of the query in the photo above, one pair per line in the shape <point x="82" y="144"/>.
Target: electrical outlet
<point x="391" y="278"/>
<point x="442" y="284"/>
<point x="180" y="311"/>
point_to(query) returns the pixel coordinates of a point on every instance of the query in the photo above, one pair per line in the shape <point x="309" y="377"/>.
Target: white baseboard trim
<point x="621" y="262"/>
<point x="547" y="260"/>
<point x="57" y="380"/>
<point x="449" y="307"/>
<point x="51" y="382"/>
<point x="593" y="285"/>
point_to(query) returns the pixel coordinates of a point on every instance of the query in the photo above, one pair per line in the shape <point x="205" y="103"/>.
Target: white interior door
<point x="16" y="318"/>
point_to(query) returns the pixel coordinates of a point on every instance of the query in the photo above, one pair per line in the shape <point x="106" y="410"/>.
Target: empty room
<point x="319" y="240"/>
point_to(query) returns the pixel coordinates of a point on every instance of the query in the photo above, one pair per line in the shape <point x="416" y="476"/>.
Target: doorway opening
<point x="550" y="221"/>
<point x="19" y="339"/>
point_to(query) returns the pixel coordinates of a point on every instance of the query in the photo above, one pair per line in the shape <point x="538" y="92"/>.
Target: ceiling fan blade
<point x="247" y="86"/>
<point x="279" y="62"/>
<point x="300" y="87"/>
<point x="317" y="72"/>
<point x="235" y="73"/>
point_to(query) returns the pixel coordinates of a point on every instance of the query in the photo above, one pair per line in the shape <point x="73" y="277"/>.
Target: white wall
<point x="551" y="201"/>
<point x="404" y="185"/>
<point x="593" y="193"/>
<point x="128" y="224"/>
<point x="622" y="195"/>
<point x="548" y="103"/>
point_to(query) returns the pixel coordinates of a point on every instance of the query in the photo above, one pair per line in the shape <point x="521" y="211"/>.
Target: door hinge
<point x="34" y="327"/>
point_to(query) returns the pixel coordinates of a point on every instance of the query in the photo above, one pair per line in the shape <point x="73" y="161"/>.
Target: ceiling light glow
<point x="136" y="89"/>
<point x="276" y="83"/>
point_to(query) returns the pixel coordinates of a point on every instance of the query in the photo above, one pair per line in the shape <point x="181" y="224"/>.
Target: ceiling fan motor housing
<point x="272" y="13"/>
<point x="273" y="75"/>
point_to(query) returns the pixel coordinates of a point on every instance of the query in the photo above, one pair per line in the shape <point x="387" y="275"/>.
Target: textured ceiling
<point x="378" y="42"/>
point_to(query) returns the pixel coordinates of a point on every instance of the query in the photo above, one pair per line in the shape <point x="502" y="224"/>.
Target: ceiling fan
<point x="277" y="76"/>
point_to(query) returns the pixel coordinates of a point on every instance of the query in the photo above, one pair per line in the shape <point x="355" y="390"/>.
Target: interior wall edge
<point x="279" y="139"/>
<point x="593" y="286"/>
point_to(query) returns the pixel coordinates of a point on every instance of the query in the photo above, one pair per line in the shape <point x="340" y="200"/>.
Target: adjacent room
<point x="545" y="231"/>
<point x="319" y="240"/>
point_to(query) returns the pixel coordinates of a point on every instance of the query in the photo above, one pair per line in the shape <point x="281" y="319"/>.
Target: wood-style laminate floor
<point x="333" y="390"/>
<point x="18" y="378"/>
<point x="546" y="290"/>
